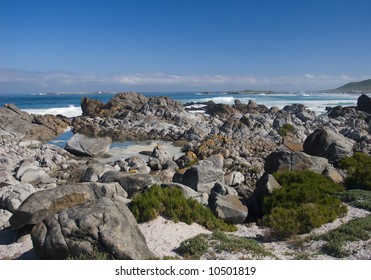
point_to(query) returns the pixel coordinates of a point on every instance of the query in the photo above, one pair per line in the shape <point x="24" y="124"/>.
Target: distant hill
<point x="355" y="86"/>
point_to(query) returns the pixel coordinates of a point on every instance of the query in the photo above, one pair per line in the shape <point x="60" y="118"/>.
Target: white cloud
<point x="212" y="82"/>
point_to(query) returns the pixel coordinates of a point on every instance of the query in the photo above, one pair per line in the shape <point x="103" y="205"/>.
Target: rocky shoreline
<point x="69" y="203"/>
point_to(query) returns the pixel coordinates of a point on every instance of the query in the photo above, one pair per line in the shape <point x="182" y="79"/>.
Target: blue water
<point x="69" y="104"/>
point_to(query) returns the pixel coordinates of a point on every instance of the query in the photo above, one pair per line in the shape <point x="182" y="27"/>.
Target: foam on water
<point x="70" y="111"/>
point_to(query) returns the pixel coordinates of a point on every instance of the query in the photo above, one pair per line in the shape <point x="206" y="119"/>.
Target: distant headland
<point x="354" y="87"/>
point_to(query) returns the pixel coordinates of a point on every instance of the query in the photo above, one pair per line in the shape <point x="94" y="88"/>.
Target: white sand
<point x="163" y="236"/>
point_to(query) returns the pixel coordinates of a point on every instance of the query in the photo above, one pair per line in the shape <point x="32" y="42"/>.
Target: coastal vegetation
<point x="286" y="129"/>
<point x="305" y="201"/>
<point x="219" y="242"/>
<point x="355" y="230"/>
<point x="171" y="203"/>
<point x="359" y="171"/>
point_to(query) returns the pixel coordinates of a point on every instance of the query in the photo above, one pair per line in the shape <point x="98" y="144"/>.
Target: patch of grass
<point x="232" y="244"/>
<point x="305" y="201"/>
<point x="358" y="167"/>
<point x="357" y="198"/>
<point x="286" y="129"/>
<point x="219" y="242"/>
<point x="355" y="230"/>
<point x="171" y="203"/>
<point x="194" y="248"/>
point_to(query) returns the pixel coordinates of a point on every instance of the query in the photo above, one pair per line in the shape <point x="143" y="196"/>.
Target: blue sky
<point x="179" y="45"/>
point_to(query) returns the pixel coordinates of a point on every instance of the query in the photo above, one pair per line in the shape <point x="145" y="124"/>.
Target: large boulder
<point x="201" y="177"/>
<point x="230" y="208"/>
<point x="105" y="225"/>
<point x="42" y="204"/>
<point x="131" y="183"/>
<point x="82" y="145"/>
<point x="326" y="143"/>
<point x="293" y="161"/>
<point x="364" y="103"/>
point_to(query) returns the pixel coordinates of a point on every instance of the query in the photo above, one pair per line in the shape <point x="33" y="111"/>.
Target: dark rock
<point x="364" y="103"/>
<point x="91" y="108"/>
<point x="326" y="143"/>
<point x="82" y="145"/>
<point x="104" y="225"/>
<point x="224" y="111"/>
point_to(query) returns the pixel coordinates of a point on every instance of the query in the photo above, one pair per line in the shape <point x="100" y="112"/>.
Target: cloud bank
<point x="25" y="81"/>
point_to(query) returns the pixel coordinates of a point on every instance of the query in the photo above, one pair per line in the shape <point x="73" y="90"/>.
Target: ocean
<point x="69" y="104"/>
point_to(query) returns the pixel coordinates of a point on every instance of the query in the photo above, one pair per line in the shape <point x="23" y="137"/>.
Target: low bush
<point x="359" y="171"/>
<point x="195" y="247"/>
<point x="355" y="230"/>
<point x="220" y="242"/>
<point x="171" y="203"/>
<point x="357" y="198"/>
<point x="305" y="201"/>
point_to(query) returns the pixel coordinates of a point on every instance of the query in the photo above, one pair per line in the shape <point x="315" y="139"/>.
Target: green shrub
<point x="283" y="222"/>
<point x="286" y="129"/>
<point x="305" y="201"/>
<point x="171" y="203"/>
<point x="355" y="230"/>
<point x="359" y="171"/>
